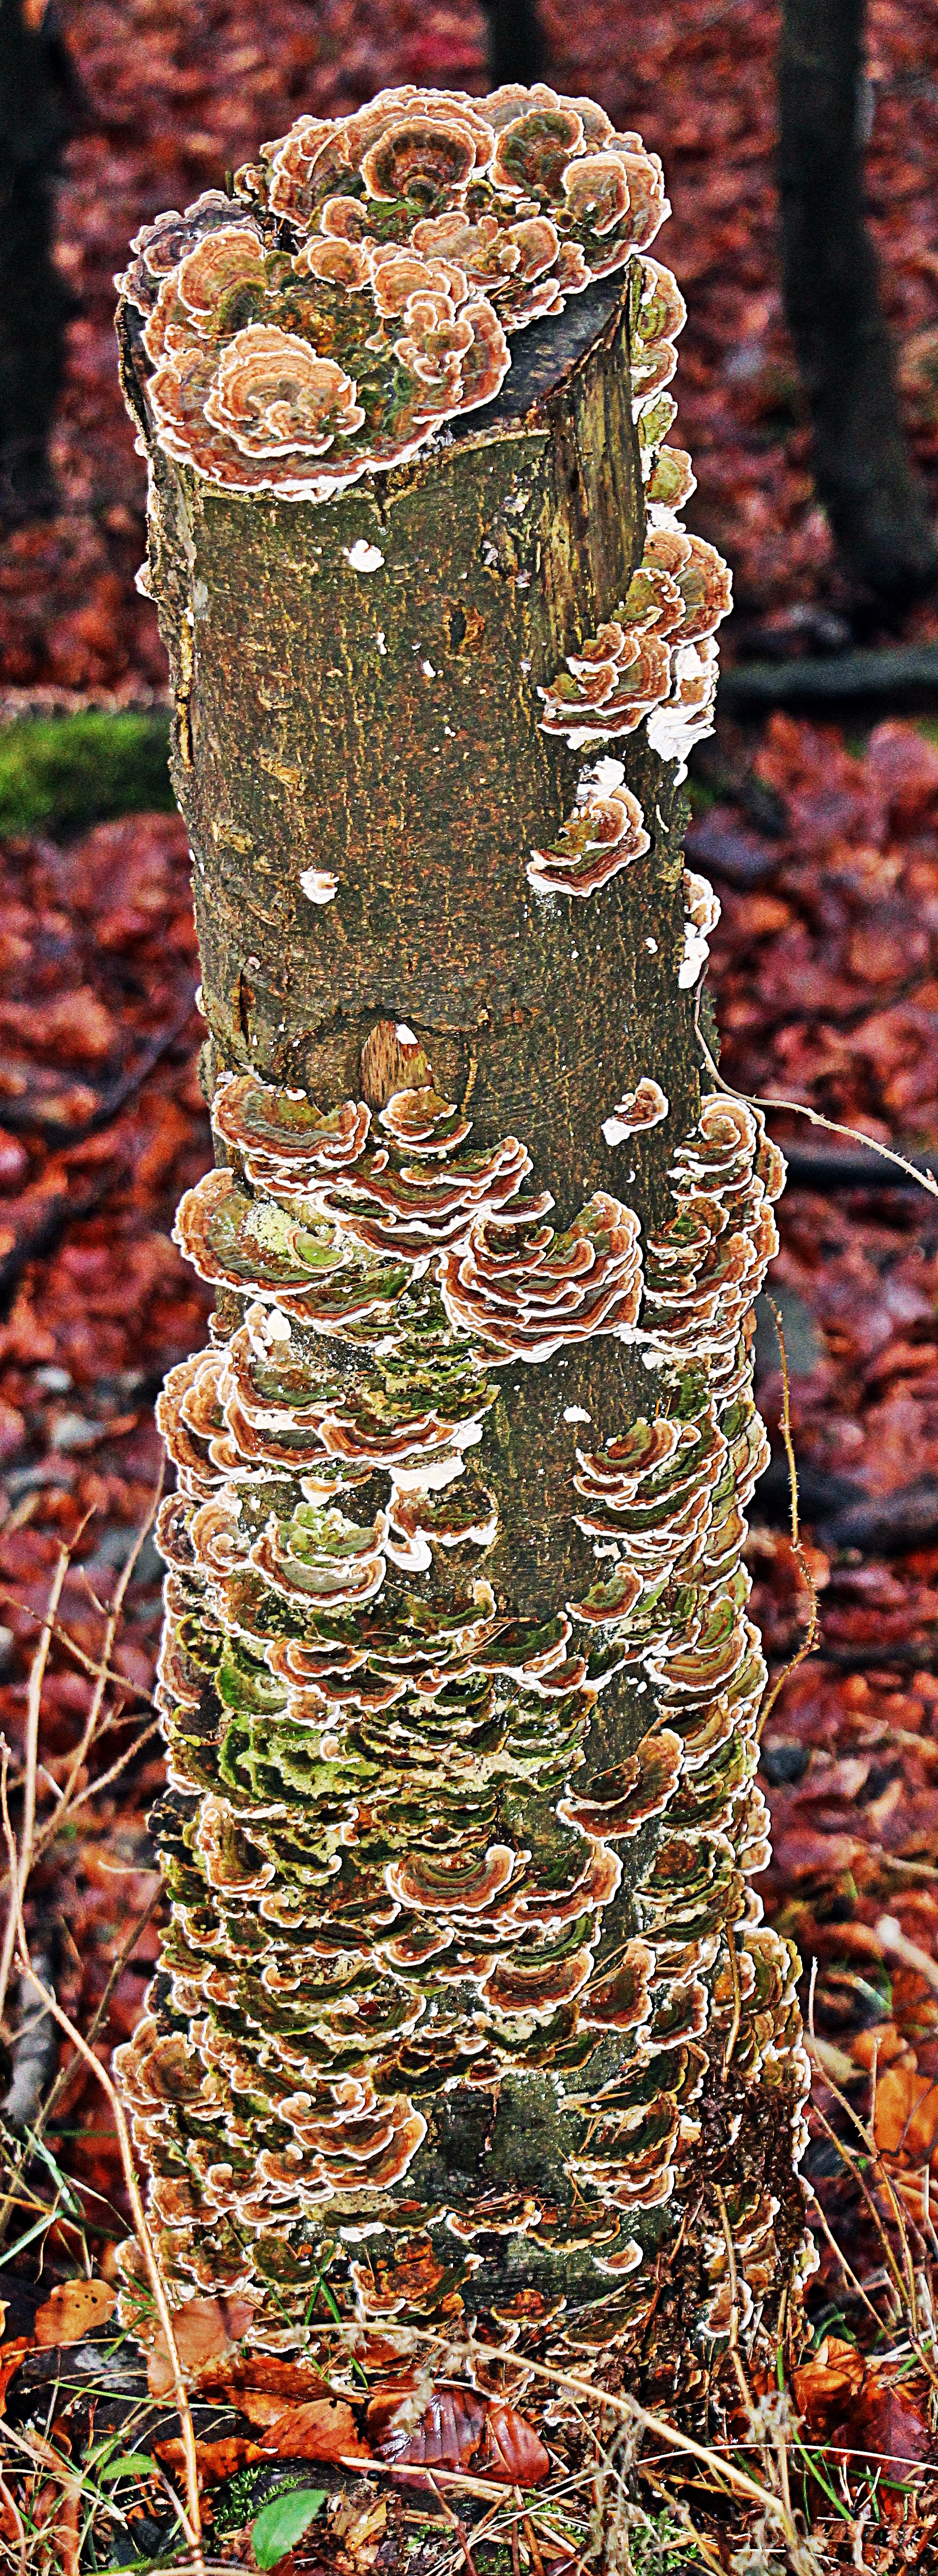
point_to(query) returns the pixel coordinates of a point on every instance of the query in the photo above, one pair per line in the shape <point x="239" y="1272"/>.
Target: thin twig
<point x="192" y="2520"/>
<point x="800" y="1109"/>
<point x="810" y="1639"/>
<point x="21" y="1861"/>
<point x="900" y="2283"/>
<point x="112" y="1617"/>
<point x="63" y="1637"/>
<point x="70" y="1796"/>
<point x="837" y="2250"/>
<point x="536" y="2559"/>
<point x="454" y="2521"/>
<point x="13" y="2508"/>
<point x="65" y="2073"/>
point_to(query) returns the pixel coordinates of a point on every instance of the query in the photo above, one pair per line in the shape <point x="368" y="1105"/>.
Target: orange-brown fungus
<point x="363" y="284"/>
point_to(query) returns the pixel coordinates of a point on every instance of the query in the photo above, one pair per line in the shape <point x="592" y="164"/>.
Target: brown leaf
<point x="510" y="2449"/>
<point x="826" y="2386"/>
<point x="356" y="2527"/>
<point x="444" y="2437"/>
<point x="906" y="2118"/>
<point x="325" y="2429"/>
<point x="71" y="2310"/>
<point x="52" y="2506"/>
<point x="205" y="2329"/>
<point x="260" y="2385"/>
<point x="890" y="2433"/>
<point x="11" y="2355"/>
<point x="458" y="2427"/>
<point x="216" y="2460"/>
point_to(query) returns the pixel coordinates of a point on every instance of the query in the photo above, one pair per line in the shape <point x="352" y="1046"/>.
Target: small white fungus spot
<point x="404" y="1035"/>
<point x="652" y="947"/>
<point x="601" y="777"/>
<point x="696" y="953"/>
<point x="319" y="885"/>
<point x="575" y="1413"/>
<point x="382" y="644"/>
<point x="277" y="1325"/>
<point x="361" y="557"/>
<point x="428" y="670"/>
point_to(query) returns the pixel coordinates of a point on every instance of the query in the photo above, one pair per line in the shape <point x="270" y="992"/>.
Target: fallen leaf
<point x="827" y="2385"/>
<point x="323" y="2430"/>
<point x="356" y="2526"/>
<point x="11" y="2355"/>
<point x="458" y="2427"/>
<point x="205" y="2329"/>
<point x="445" y="2435"/>
<point x="510" y="2449"/>
<point x="71" y="2311"/>
<point x="216" y="2460"/>
<point x="881" y="2045"/>
<point x="262" y="2385"/>
<point x="906" y="2114"/>
<point x="58" y="2503"/>
<point x="889" y="2432"/>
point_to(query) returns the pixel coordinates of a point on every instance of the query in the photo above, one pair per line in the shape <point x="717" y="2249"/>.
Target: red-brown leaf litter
<point x="823" y="847"/>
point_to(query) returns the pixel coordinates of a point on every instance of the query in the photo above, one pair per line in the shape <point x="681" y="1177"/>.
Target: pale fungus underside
<point x="466" y="2002"/>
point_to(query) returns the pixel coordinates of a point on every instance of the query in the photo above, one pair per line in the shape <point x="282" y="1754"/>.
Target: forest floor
<point x="824" y="850"/>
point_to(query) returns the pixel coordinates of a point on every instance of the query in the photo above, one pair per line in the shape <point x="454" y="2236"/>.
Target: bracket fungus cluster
<point x="653" y="664"/>
<point x="388" y="1880"/>
<point x="361" y="285"/>
<point x="465" y="1982"/>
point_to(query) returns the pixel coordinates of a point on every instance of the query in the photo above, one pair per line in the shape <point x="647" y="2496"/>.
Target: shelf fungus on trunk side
<point x="466" y="1994"/>
<point x="385" y="1876"/>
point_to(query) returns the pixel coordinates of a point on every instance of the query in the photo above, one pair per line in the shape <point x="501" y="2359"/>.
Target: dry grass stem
<point x="192" y="2519"/>
<point x="20" y="1861"/>
<point x="891" y="1938"/>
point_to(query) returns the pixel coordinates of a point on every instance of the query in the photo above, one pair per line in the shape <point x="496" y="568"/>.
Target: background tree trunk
<point x="361" y="763"/>
<point x="863" y="470"/>
<point x="517" y="46"/>
<point x="39" y="99"/>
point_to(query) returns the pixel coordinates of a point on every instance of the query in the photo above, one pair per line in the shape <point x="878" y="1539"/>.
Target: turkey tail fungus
<point x="467" y="2020"/>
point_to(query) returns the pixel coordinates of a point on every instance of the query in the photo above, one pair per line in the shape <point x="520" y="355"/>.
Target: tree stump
<point x="467" y="2023"/>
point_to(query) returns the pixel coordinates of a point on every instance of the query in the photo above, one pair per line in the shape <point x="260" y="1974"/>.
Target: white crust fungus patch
<point x="319" y="885"/>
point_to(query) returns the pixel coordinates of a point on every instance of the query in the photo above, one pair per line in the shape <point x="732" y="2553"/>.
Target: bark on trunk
<point x="466" y="2002"/>
<point x="864" y="473"/>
